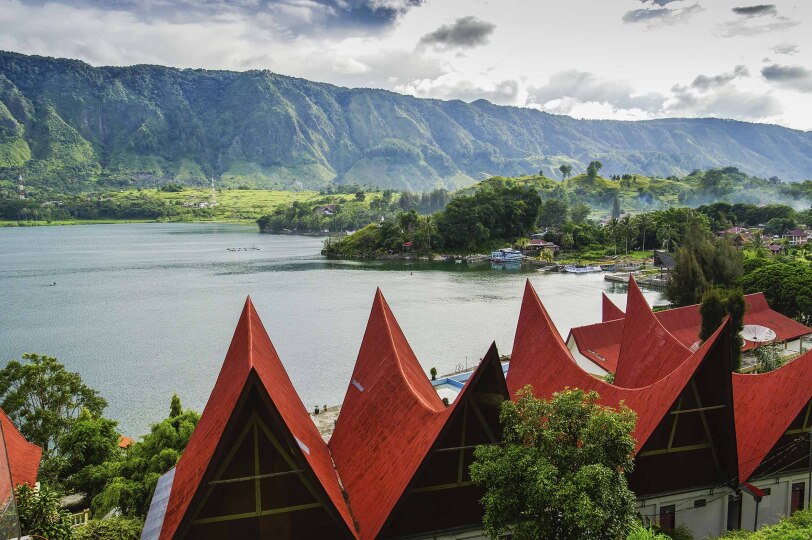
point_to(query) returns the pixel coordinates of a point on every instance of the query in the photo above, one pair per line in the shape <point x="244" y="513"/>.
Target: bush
<point x="40" y="514"/>
<point x="638" y="532"/>
<point x="680" y="532"/>
<point x="111" y="529"/>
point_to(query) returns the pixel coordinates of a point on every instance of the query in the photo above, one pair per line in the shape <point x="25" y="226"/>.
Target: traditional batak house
<point x="597" y="347"/>
<point x="402" y="454"/>
<point x="396" y="465"/>
<point x="714" y="450"/>
<point x="686" y="445"/>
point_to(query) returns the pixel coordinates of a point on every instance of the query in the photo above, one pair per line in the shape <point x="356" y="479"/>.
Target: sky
<point x="613" y="59"/>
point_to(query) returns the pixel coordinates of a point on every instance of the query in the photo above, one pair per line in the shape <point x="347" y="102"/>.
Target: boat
<point x="577" y="269"/>
<point x="505" y="255"/>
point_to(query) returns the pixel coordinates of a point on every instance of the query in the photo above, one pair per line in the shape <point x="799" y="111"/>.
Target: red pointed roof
<point x="683" y="323"/>
<point x="390" y="418"/>
<point x="541" y="359"/>
<point x="765" y="406"/>
<point x="251" y="351"/>
<point x="610" y="311"/>
<point x="648" y="351"/>
<point x="23" y="456"/>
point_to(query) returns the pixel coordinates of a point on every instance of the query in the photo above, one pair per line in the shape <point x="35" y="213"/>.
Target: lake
<point x="145" y="310"/>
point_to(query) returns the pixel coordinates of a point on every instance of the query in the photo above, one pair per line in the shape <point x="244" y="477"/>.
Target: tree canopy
<point x="559" y="471"/>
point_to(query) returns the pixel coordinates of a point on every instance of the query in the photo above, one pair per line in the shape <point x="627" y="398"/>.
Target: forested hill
<point x="69" y="125"/>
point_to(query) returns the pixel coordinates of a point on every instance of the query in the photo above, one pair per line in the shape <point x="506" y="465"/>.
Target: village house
<point x="796" y="237"/>
<point x="715" y="451"/>
<point x="327" y="209"/>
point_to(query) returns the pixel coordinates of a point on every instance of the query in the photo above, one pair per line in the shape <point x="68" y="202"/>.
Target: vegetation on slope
<point x="75" y="127"/>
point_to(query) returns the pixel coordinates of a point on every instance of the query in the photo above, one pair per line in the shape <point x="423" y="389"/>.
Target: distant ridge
<point x="73" y="126"/>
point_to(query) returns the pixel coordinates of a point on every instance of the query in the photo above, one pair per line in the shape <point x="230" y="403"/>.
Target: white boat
<point x="506" y="255"/>
<point x="572" y="269"/>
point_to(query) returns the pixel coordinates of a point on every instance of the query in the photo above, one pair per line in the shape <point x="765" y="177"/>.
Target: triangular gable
<point x="609" y="311"/>
<point x="441" y="494"/>
<point x="541" y="359"/>
<point x="23" y="456"/>
<point x="254" y="410"/>
<point x="766" y="406"/>
<point x="390" y="419"/>
<point x="648" y="351"/>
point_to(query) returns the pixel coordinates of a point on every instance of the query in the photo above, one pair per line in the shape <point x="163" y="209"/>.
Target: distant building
<point x="327" y="209"/>
<point x="775" y="249"/>
<point x="664" y="260"/>
<point x="796" y="237"/>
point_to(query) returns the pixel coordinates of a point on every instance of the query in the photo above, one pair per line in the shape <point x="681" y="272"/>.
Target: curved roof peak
<point x="648" y="351"/>
<point x="609" y="311"/>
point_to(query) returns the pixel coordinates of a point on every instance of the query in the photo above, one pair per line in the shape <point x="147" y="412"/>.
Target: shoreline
<point x="24" y="224"/>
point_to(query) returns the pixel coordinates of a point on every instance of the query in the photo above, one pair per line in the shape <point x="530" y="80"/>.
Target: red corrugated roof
<point x="682" y="323"/>
<point x="390" y="418"/>
<point x="251" y="351"/>
<point x="648" y="352"/>
<point x="765" y="406"/>
<point x="23" y="456"/>
<point x="541" y="359"/>
<point x="610" y="311"/>
<point x="600" y="342"/>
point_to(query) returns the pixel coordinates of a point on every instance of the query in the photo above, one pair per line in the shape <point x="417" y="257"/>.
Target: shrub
<point x="118" y="528"/>
<point x="40" y="514"/>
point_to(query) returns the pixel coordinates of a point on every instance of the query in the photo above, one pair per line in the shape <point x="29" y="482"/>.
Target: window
<point x="699" y="503"/>
<point x="797" y="499"/>
<point x="667" y="517"/>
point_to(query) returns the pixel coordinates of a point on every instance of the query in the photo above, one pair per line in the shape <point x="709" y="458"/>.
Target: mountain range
<point x="68" y="125"/>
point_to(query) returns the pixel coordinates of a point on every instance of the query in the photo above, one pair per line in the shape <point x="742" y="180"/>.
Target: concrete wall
<point x="775" y="505"/>
<point x="708" y="520"/>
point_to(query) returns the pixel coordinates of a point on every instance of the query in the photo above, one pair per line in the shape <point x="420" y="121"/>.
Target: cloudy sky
<point x="622" y="59"/>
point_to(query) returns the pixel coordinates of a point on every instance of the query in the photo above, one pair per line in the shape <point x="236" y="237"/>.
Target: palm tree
<point x="644" y="222"/>
<point x="627" y="228"/>
<point x="666" y="234"/>
<point x="612" y="226"/>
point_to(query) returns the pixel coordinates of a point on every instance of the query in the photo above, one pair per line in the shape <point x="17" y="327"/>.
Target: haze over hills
<point x="69" y="125"/>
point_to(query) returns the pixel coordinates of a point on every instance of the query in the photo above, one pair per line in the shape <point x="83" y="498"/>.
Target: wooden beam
<point x="700" y="409"/>
<point x="675" y="450"/>
<point x="441" y="487"/>
<point x="257" y="477"/>
<point x="247" y="515"/>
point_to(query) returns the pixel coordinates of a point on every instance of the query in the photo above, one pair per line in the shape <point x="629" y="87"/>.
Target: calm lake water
<point x="145" y="310"/>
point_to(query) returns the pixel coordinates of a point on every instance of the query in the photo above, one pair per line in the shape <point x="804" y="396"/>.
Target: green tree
<point x="644" y="224"/>
<point x="40" y="514"/>
<point x="628" y="230"/>
<point x="712" y="311"/>
<point x="130" y="480"/>
<point x="559" y="470"/>
<point x="580" y="212"/>
<point x="615" y="208"/>
<point x="702" y="261"/>
<point x="91" y="441"/>
<point x="779" y="225"/>
<point x="175" y="408"/>
<point x="360" y="196"/>
<point x="566" y="170"/>
<point x="117" y="528"/>
<point x="553" y="213"/>
<point x="592" y="170"/>
<point x="735" y="307"/>
<point x="769" y="358"/>
<point x="43" y="400"/>
<point x="787" y="285"/>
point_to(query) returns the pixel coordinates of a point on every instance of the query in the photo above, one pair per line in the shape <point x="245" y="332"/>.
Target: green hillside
<point x="70" y="126"/>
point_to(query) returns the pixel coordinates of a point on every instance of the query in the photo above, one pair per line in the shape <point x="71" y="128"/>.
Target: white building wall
<point x="585" y="363"/>
<point x="704" y="521"/>
<point x="775" y="505"/>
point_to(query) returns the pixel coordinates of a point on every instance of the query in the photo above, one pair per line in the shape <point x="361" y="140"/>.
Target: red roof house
<point x="256" y="462"/>
<point x="773" y="418"/>
<point x="601" y="342"/>
<point x="648" y="351"/>
<point x="389" y="438"/>
<point x="699" y="450"/>
<point x="23" y="456"/>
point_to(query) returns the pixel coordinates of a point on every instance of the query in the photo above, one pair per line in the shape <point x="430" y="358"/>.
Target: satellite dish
<point x="757" y="333"/>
